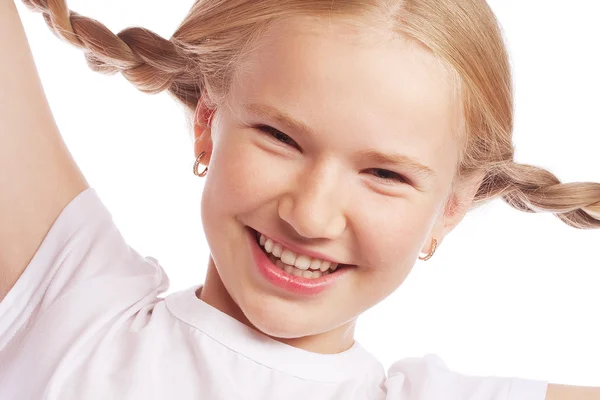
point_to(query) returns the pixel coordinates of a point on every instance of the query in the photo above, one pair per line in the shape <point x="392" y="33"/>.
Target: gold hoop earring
<point x="431" y="251"/>
<point x="203" y="173"/>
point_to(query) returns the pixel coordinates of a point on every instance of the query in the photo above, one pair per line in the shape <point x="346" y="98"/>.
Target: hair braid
<point x="147" y="60"/>
<point x="532" y="189"/>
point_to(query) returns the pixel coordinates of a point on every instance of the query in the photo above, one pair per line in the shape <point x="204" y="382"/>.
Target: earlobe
<point x="203" y="145"/>
<point x="431" y="251"/>
<point x="202" y="131"/>
<point x="202" y="119"/>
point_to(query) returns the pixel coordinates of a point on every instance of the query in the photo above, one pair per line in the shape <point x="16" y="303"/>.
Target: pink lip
<point x="291" y="283"/>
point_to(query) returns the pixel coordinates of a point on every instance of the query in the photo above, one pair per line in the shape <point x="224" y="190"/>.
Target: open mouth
<point x="295" y="264"/>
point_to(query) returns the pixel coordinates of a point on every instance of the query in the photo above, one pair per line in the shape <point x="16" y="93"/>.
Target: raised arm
<point x="38" y="176"/>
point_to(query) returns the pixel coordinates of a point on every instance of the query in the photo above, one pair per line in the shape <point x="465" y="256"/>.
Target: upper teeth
<point x="299" y="261"/>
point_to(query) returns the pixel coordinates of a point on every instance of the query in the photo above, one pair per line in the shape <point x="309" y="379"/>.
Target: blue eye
<point x="387" y="175"/>
<point x="277" y="135"/>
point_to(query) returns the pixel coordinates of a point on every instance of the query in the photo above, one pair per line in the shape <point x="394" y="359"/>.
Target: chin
<point x="282" y="320"/>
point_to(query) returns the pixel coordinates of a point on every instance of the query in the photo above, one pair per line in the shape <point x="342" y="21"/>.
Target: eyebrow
<point x="271" y="113"/>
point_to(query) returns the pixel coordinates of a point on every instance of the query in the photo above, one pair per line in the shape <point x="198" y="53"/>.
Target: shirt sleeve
<point x="82" y="276"/>
<point x="428" y="378"/>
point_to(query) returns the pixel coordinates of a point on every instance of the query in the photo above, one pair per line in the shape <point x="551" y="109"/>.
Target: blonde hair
<point x="200" y="60"/>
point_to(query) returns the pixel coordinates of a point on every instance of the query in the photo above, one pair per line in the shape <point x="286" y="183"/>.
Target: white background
<point x="508" y="293"/>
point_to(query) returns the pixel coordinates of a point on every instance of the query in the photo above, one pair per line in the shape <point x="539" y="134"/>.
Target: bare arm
<point x="38" y="176"/>
<point x="564" y="392"/>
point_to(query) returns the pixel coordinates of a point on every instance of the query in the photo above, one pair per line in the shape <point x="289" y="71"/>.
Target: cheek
<point x="227" y="187"/>
<point x="402" y="226"/>
<point x="391" y="252"/>
<point x="232" y="188"/>
<point x="243" y="177"/>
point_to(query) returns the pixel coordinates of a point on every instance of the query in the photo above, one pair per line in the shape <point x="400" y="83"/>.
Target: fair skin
<point x="33" y="154"/>
<point x="318" y="190"/>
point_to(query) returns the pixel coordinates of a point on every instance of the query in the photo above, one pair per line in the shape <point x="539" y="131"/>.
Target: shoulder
<point x="429" y="378"/>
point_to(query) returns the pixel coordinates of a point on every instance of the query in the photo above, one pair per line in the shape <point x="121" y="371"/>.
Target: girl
<point x="338" y="141"/>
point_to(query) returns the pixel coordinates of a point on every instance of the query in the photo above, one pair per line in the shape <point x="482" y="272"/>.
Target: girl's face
<point x="336" y="140"/>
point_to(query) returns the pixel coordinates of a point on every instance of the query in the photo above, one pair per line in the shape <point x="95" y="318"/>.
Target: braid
<point x="153" y="64"/>
<point x="532" y="189"/>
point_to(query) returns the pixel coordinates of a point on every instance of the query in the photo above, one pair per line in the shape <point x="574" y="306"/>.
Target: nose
<point x="315" y="204"/>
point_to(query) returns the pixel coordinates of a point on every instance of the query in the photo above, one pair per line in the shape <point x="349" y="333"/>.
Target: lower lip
<point x="291" y="283"/>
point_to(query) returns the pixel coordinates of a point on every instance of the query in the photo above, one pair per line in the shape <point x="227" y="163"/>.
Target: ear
<point x="458" y="204"/>
<point x="203" y="118"/>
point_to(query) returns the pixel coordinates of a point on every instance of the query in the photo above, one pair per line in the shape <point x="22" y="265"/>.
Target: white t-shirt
<point x="85" y="321"/>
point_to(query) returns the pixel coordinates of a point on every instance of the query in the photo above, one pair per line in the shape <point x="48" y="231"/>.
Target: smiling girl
<point x="317" y="125"/>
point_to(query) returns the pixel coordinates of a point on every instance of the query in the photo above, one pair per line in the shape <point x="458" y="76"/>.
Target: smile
<point x="293" y="263"/>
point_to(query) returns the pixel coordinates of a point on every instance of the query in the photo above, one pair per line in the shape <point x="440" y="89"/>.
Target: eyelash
<point x="276" y="134"/>
<point x="396" y="177"/>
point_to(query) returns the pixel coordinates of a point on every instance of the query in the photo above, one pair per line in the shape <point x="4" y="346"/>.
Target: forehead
<point x="360" y="80"/>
